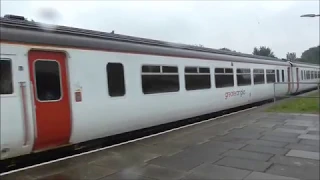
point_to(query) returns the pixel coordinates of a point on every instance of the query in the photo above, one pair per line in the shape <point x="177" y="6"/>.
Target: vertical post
<point x="274" y="92"/>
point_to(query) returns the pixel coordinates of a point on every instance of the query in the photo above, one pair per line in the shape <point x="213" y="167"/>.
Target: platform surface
<point x="249" y="145"/>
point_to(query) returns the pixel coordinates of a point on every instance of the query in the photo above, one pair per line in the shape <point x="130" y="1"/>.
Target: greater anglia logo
<point x="234" y="93"/>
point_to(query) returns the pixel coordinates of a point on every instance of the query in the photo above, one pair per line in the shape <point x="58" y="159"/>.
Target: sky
<point x="237" y="25"/>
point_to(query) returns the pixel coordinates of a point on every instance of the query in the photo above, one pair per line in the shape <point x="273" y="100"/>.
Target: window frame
<point x="224" y="73"/>
<point x="124" y="80"/>
<point x="246" y="73"/>
<point x="264" y="76"/>
<point x="159" y="73"/>
<point x="35" y="81"/>
<point x="274" y="73"/>
<point x="198" y="73"/>
<point x="12" y="77"/>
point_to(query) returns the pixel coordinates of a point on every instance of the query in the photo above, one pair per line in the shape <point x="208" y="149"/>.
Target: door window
<point x="48" y="81"/>
<point x="5" y="77"/>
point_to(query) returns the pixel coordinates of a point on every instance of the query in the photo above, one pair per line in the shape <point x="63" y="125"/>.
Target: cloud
<point x="238" y="25"/>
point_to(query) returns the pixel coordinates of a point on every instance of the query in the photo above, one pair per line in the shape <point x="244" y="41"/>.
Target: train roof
<point x="18" y="29"/>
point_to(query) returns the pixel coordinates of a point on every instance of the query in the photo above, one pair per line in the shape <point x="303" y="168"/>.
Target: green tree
<point x="225" y="49"/>
<point x="312" y="55"/>
<point x="263" y="51"/>
<point x="291" y="56"/>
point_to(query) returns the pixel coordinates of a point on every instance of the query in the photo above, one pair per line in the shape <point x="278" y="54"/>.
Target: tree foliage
<point x="291" y="56"/>
<point x="312" y="55"/>
<point x="225" y="49"/>
<point x="263" y="51"/>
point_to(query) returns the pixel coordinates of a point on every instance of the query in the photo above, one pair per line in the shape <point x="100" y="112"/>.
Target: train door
<point x="48" y="75"/>
<point x="289" y="80"/>
<point x="297" y="79"/>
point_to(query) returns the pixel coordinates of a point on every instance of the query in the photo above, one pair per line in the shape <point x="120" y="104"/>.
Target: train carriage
<point x="65" y="85"/>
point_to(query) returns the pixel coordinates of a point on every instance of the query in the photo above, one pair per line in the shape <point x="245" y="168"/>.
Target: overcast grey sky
<point x="238" y="25"/>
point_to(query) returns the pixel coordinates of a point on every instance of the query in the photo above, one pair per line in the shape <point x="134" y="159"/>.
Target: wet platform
<point x="248" y="145"/>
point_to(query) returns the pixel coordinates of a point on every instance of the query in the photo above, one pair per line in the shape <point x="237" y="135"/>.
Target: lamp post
<point x="310" y="15"/>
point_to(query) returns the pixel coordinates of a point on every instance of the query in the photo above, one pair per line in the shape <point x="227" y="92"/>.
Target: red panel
<point x="53" y="118"/>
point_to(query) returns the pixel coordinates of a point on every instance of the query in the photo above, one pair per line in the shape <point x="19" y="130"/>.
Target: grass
<point x="298" y="105"/>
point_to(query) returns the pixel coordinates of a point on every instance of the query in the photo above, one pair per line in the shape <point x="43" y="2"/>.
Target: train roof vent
<point x="15" y="17"/>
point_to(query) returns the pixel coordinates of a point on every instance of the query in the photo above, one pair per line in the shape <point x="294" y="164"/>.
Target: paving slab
<point x="182" y="163"/>
<point x="246" y="164"/>
<point x="309" y="136"/>
<point x="300" y="123"/>
<point x="83" y="172"/>
<point x="210" y="171"/>
<point x="294" y="161"/>
<point x="123" y="175"/>
<point x="296" y="172"/>
<point x="267" y="143"/>
<point x="279" y="139"/>
<point x="304" y="154"/>
<point x="290" y="130"/>
<point x="312" y="129"/>
<point x="220" y="144"/>
<point x="313" y="132"/>
<point x="304" y="147"/>
<point x="282" y="134"/>
<point x="292" y="127"/>
<point x="265" y="149"/>
<point x="266" y="176"/>
<point x="248" y="155"/>
<point x="231" y="139"/>
<point x="152" y="171"/>
<point x="118" y="161"/>
<point x="309" y="142"/>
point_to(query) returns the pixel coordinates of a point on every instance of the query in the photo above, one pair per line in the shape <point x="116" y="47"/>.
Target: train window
<point x="224" y="77"/>
<point x="197" y="80"/>
<point x="301" y="75"/>
<point x="163" y="79"/>
<point x="116" y="82"/>
<point x="270" y="76"/>
<point x="308" y="74"/>
<point x="278" y="76"/>
<point x="258" y="76"/>
<point x="282" y="75"/>
<point x="243" y="77"/>
<point x="6" y="85"/>
<point x="48" y="80"/>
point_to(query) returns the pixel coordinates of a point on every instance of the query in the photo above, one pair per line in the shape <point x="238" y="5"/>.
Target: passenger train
<point x="62" y="86"/>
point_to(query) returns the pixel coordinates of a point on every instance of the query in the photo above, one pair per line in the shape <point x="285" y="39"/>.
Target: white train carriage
<point x="67" y="85"/>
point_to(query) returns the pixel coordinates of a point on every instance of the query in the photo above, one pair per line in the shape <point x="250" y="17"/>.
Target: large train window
<point x="244" y="77"/>
<point x="6" y="85"/>
<point x="308" y="74"/>
<point x="197" y="78"/>
<point x="271" y="76"/>
<point x="258" y="76"/>
<point x="48" y="80"/>
<point x="159" y="79"/>
<point x="224" y="77"/>
<point x="282" y="75"/>
<point x="116" y="82"/>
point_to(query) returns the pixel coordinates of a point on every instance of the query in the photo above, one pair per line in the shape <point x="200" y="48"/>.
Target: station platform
<point x="251" y="145"/>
